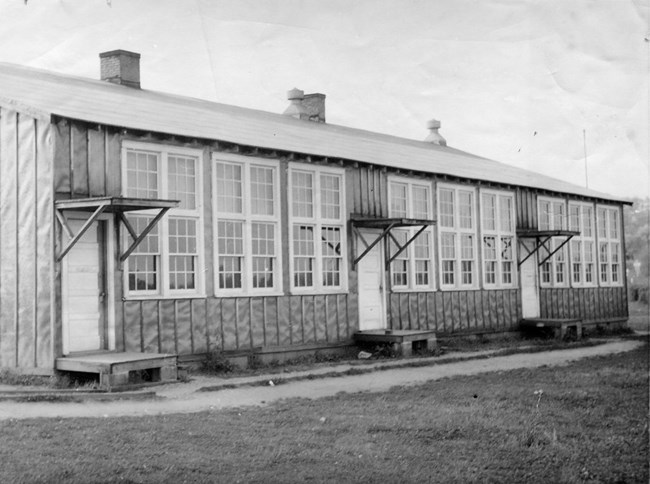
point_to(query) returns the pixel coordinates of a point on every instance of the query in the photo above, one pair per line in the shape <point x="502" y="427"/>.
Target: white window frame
<point x="318" y="222"/>
<point x="611" y="242"/>
<point x="163" y="152"/>
<point x="498" y="233"/>
<point x="247" y="218"/>
<point x="560" y="256"/>
<point x="408" y="254"/>
<point x="581" y="241"/>
<point x="458" y="232"/>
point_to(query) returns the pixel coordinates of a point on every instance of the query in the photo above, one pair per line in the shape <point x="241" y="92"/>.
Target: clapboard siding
<point x="26" y="241"/>
<point x="589" y="304"/>
<point x="455" y="311"/>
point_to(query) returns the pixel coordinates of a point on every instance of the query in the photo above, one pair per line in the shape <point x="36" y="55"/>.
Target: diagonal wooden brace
<point x="81" y="232"/>
<point x="403" y="248"/>
<point x="144" y="233"/>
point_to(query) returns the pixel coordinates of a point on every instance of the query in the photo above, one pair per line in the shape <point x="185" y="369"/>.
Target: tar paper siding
<point x="26" y="242"/>
<point x="456" y="312"/>
<point x="593" y="304"/>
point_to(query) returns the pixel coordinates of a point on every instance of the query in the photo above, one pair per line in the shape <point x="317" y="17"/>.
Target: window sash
<point x="246" y="239"/>
<point x="166" y="262"/>
<point x="317" y="229"/>
<point x="497" y="227"/>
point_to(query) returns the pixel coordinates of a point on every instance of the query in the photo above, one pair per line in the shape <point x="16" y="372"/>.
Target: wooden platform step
<point x="120" y="369"/>
<point x="401" y="339"/>
<point x="559" y="327"/>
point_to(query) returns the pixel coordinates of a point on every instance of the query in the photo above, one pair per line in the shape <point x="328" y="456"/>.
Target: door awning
<point x="117" y="205"/>
<point x="541" y="238"/>
<point x="386" y="225"/>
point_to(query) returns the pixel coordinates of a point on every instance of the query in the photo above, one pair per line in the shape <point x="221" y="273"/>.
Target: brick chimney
<point x="434" y="137"/>
<point x="310" y="107"/>
<point x="121" y="67"/>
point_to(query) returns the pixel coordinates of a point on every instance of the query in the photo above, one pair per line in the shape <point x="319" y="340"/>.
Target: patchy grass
<point x="639" y="316"/>
<point x="589" y="423"/>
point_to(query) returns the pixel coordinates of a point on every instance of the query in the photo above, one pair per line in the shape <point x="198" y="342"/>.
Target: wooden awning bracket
<point x="115" y="205"/>
<point x="143" y="234"/>
<point x="541" y="239"/>
<point x="84" y="228"/>
<point x="386" y="226"/>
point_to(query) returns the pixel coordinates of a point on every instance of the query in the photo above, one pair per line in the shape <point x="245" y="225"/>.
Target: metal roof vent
<point x="296" y="108"/>
<point x="120" y="67"/>
<point x="434" y="137"/>
<point x="306" y="106"/>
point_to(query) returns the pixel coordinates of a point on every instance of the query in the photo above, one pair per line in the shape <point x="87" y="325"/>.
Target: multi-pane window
<point x="552" y="216"/>
<point x="246" y="225"/>
<point x="581" y="219"/>
<point x="609" y="245"/>
<point x="457" y="233"/>
<point x="317" y="221"/>
<point x="498" y="234"/>
<point x="411" y="268"/>
<point x="166" y="262"/>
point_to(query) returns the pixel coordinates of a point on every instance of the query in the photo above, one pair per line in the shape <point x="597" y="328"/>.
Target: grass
<point x="588" y="424"/>
<point x="639" y="316"/>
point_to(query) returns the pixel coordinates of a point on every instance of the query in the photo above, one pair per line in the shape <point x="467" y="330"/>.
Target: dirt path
<point x="183" y="398"/>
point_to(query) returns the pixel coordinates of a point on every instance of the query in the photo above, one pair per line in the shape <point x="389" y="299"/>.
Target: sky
<point x="537" y="84"/>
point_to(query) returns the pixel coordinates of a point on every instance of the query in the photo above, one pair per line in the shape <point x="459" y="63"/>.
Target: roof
<point x="101" y="102"/>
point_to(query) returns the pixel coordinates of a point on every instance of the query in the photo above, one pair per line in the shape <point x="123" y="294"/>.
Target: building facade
<point x="134" y="221"/>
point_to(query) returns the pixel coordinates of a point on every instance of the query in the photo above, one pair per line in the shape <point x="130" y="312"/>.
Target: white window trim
<point x="458" y="285"/>
<point x="246" y="217"/>
<point x="582" y="239"/>
<point x="498" y="233"/>
<point x="412" y="286"/>
<point x="609" y="240"/>
<point x="318" y="222"/>
<point x="164" y="151"/>
<point x="564" y="250"/>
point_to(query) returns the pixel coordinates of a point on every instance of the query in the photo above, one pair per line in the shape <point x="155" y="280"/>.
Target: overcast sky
<point x="513" y="80"/>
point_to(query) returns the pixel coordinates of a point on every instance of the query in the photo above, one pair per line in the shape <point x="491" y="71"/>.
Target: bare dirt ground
<point x="185" y="397"/>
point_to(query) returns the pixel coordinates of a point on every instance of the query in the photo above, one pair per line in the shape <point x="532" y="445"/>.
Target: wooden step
<point x="121" y="369"/>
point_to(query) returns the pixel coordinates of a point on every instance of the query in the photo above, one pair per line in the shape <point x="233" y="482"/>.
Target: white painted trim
<point x="412" y="286"/>
<point x="458" y="285"/>
<point x="498" y="233"/>
<point x="164" y="151"/>
<point x="318" y="222"/>
<point x="246" y="162"/>
<point x="564" y="250"/>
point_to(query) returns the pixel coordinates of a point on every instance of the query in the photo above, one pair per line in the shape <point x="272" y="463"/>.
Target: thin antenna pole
<point x="584" y="143"/>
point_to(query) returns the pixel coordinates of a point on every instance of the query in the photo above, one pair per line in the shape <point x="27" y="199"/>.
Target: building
<point x="140" y="222"/>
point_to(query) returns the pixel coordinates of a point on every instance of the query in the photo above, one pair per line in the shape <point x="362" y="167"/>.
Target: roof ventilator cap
<point x="434" y="137"/>
<point x="296" y="108"/>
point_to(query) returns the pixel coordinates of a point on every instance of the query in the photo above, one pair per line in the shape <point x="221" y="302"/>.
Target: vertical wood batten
<point x="150" y="336"/>
<point x="8" y="254"/>
<point x="44" y="243"/>
<point x="62" y="161"/>
<point x="26" y="241"/>
<point x="96" y="162"/>
<point x="183" y="322"/>
<point x="79" y="155"/>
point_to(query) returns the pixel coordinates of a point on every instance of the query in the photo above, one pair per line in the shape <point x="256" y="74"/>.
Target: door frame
<point x="107" y="259"/>
<point x="530" y="311"/>
<point x="370" y="234"/>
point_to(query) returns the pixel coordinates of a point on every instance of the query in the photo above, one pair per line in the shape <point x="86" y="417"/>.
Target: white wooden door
<point x="370" y="273"/>
<point x="529" y="287"/>
<point x="82" y="288"/>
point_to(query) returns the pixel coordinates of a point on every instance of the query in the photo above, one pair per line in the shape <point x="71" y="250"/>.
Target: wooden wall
<point x="367" y="189"/>
<point x="526" y="206"/>
<point x="590" y="304"/>
<point x="192" y="326"/>
<point x="87" y="160"/>
<point x="26" y="244"/>
<point x="456" y="311"/>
